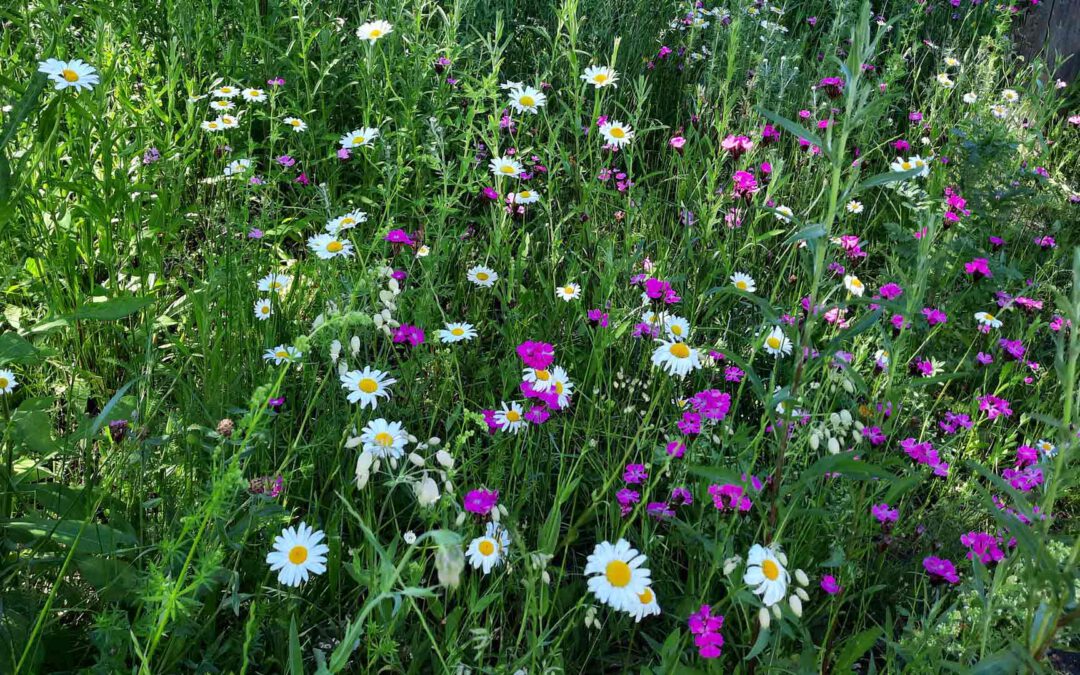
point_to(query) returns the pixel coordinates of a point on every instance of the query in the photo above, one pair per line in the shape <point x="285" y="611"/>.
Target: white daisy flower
<point x="854" y="285"/>
<point x="776" y="343"/>
<point x="970" y="97"/>
<point x="253" y="95"/>
<point x="263" y="309"/>
<point x="952" y="62"/>
<point x="618" y="576"/>
<point x="225" y="91"/>
<point x="504" y="166"/>
<point x="646" y="605"/>
<point x="527" y="99"/>
<point x="567" y="292"/>
<point x="296" y="123"/>
<point x="744" y="282"/>
<point x="855" y="206"/>
<point x="222" y="104"/>
<point x="367" y="386"/>
<point x="676" y="327"/>
<point x="1010" y="95"/>
<point x="784" y="214"/>
<point x="359" y="138"/>
<point x="385" y="440"/>
<point x="75" y="73"/>
<point x="213" y="125"/>
<point x="999" y="111"/>
<point x="676" y="357"/>
<point x="601" y="76"/>
<point x="561" y="386"/>
<point x="944" y="80"/>
<point x="616" y="133"/>
<point x="456" y="332"/>
<point x="275" y="282"/>
<point x="237" y="167"/>
<point x="487" y="552"/>
<point x="298" y="554"/>
<point x="988" y="319"/>
<point x="539" y="378"/>
<point x="229" y="121"/>
<point x="7" y="382"/>
<point x="328" y="246"/>
<point x="347" y="221"/>
<point x="526" y="197"/>
<point x="765" y="573"/>
<point x="511" y="417"/>
<point x="373" y="30"/>
<point x="484" y="277"/>
<point x="282" y="354"/>
<point x="1048" y="449"/>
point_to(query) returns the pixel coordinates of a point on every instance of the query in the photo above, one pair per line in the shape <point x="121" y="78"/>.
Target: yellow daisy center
<point x="856" y="283"/>
<point x="646" y="597"/>
<point x="558" y="387"/>
<point x="296" y="123"/>
<point x="542" y="375"/>
<point x="618" y="573"/>
<point x="482" y="276"/>
<point x="212" y="125"/>
<point x="281" y="354"/>
<point x="770" y="569"/>
<point x="347" y="221"/>
<point x="358" y="140"/>
<point x="600" y="78"/>
<point x="676" y="329"/>
<point x="368" y="385"/>
<point x="513" y="416"/>
<point x="457" y="332"/>
<point x="524" y="194"/>
<point x="527" y="101"/>
<point x="679" y="350"/>
<point x="486" y="547"/>
<point x="506" y="168"/>
<point x="384" y="439"/>
<point x="988" y="317"/>
<point x="3" y="383"/>
<point x="375" y="32"/>
<point x="773" y="342"/>
<point x="265" y="309"/>
<point x="618" y="132"/>
<point x="741" y="285"/>
<point x="254" y="92"/>
<point x="297" y="555"/>
<point x="70" y="75"/>
<point x="569" y="290"/>
<point x="906" y="166"/>
<point x="226" y="90"/>
<point x="334" y="246"/>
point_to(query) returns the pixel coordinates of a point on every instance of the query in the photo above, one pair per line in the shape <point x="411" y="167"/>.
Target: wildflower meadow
<point x="525" y="337"/>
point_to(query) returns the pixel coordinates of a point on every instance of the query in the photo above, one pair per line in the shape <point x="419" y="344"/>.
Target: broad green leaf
<point x="16" y="349"/>
<point x="296" y="657"/>
<point x="855" y="647"/>
<point x="111" y="310"/>
<point x="85" y="537"/>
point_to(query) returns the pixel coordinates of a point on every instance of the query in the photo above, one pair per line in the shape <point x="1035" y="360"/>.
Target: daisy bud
<point x="802" y="594"/>
<point x="445" y="459"/>
<point x="335" y="350"/>
<point x="386" y="297"/>
<point x="434" y="440"/>
<point x="412" y="439"/>
<point x="354" y="345"/>
<point x="545" y="577"/>
<point x="449" y="562"/>
<point x="857" y="436"/>
<point x="834" y="419"/>
<point x="495" y="515"/>
<point x="834" y="446"/>
<point x="848" y="385"/>
<point x="353" y="442"/>
<point x="815" y="441"/>
<point x="342" y="367"/>
<point x="776" y="610"/>
<point x="801" y="577"/>
<point x="377" y="320"/>
<point x="394" y="286"/>
<point x="416" y="459"/>
<point x="845" y="416"/>
<point x="363" y="469"/>
<point x="763" y="618"/>
<point x="796" y="605"/>
<point x="449" y="487"/>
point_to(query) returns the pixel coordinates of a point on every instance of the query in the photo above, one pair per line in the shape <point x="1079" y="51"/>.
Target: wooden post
<point x="1052" y="30"/>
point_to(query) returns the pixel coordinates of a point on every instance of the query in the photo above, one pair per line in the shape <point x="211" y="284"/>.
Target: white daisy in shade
<point x="225" y="91"/>
<point x="275" y="282"/>
<point x="539" y="378"/>
<point x="484" y="277"/>
<point x="222" y="105"/>
<point x="944" y="80"/>
<point x="676" y="357"/>
<point x="328" y="246"/>
<point x="1010" y="95"/>
<point x="601" y="76"/>
<point x="1046" y="447"/>
<point x="784" y="214"/>
<point x="295" y="123"/>
<point x="988" y="319"/>
<point x="527" y="99"/>
<point x="646" y="605"/>
<point x="568" y="292"/>
<point x="511" y="417"/>
<point x="970" y="97"/>
<point x="298" y="554"/>
<point x="456" y="332"/>
<point x="366" y="386"/>
<point x="776" y="343"/>
<point x="229" y="121"/>
<point x="213" y="125"/>
<point x="526" y="197"/>
<point x="676" y="327"/>
<point x="765" y="573"/>
<point x="282" y="354"/>
<point x="488" y="551"/>
<point x="616" y="133"/>
<point x="237" y="167"/>
<point x="561" y="386"/>
<point x="504" y="166"/>
<point x="743" y="282"/>
<point x="253" y="95"/>
<point x="854" y="206"/>
<point x="373" y="30"/>
<point x="616" y="574"/>
<point x="347" y="221"/>
<point x="999" y="111"/>
<point x="263" y="309"/>
<point x="7" y="382"/>
<point x="854" y="285"/>
<point x="384" y="439"/>
<point x="75" y="73"/>
<point x="359" y="138"/>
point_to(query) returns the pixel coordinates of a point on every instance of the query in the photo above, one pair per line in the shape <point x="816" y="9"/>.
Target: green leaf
<point x="296" y="657"/>
<point x="793" y="127"/>
<point x="111" y="310"/>
<point x="886" y="178"/>
<point x="855" y="647"/>
<point x="810" y="232"/>
<point x="16" y="349"/>
<point x="759" y="645"/>
<point x="85" y="537"/>
<point x="33" y="426"/>
<point x="715" y="474"/>
<point x="844" y="464"/>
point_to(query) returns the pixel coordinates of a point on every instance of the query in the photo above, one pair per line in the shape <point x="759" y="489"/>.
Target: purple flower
<point x="150" y="156"/>
<point x="1014" y="348"/>
<point x="276" y="81"/>
<point x="884" y="513"/>
<point x="940" y="569"/>
<point x="984" y="359"/>
<point x="411" y="335"/>
<point x="984" y="545"/>
<point x="934" y="316"/>
<point x="706" y="629"/>
<point x="598" y="318"/>
<point x="481" y="501"/>
<point x="399" y="237"/>
<point x="829" y="585"/>
<point x="538" y="355"/>
<point x="286" y="160"/>
<point x="635" y="474"/>
<point x="994" y="406"/>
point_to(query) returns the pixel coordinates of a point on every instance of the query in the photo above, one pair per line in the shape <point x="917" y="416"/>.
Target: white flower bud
<point x="353" y="442"/>
<point x="801" y="577"/>
<point x="335" y="350"/>
<point x="801" y="592"/>
<point x="776" y="610"/>
<point x="796" y="605"/>
<point x="460" y="519"/>
<point x="364" y="465"/>
<point x="763" y="618"/>
<point x="845" y="416"/>
<point x="815" y="441"/>
<point x="409" y="537"/>
<point x="730" y="564"/>
<point x="354" y="345"/>
<point x="434" y="440"/>
<point x="834" y="419"/>
<point x="426" y="491"/>
<point x="444" y="459"/>
<point x="416" y="459"/>
<point x="834" y="446"/>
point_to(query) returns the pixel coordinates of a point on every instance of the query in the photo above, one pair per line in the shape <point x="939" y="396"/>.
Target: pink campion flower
<point x="537" y="414"/>
<point x="745" y="184"/>
<point x="953" y="422"/>
<point x="984" y="545"/>
<point x="399" y="237"/>
<point x="627" y="498"/>
<point x="1059" y="322"/>
<point x="875" y="435"/>
<point x="489" y="419"/>
<point x="411" y="335"/>
<point x="1024" y="480"/>
<point x="490" y="194"/>
<point x="481" y="501"/>
<point x="302" y="179"/>
<point x="736" y="145"/>
<point x="343" y="153"/>
<point x="735" y="495"/>
<point x="979" y="268"/>
<point x="705" y="626"/>
<point x="934" y="316"/>
<point x="891" y="291"/>
<point x="659" y="510"/>
<point x="548" y="398"/>
<point x="833" y="86"/>
<point x="690" y="424"/>
<point x="1045" y="242"/>
<point x="984" y="359"/>
<point x="899" y="323"/>
<point x="733" y="374"/>
<point x="538" y="355"/>
<point x="940" y="570"/>
<point x="769" y="134"/>
<point x="677" y="143"/>
<point x="1027" y="304"/>
<point x="676" y="449"/>
<point x="830" y="585"/>
<point x="680" y="496"/>
<point x="597" y="318"/>
<point x="994" y="406"/>
<point x="884" y="513"/>
<point x="645" y="330"/>
<point x="713" y="404"/>
<point x="1014" y="348"/>
<point x="1026" y="456"/>
<point x="276" y="81"/>
<point x="635" y="474"/>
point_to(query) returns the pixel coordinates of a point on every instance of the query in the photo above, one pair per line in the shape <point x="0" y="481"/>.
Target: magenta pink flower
<point x="940" y="569"/>
<point x="481" y="501"/>
<point x="537" y="355"/>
